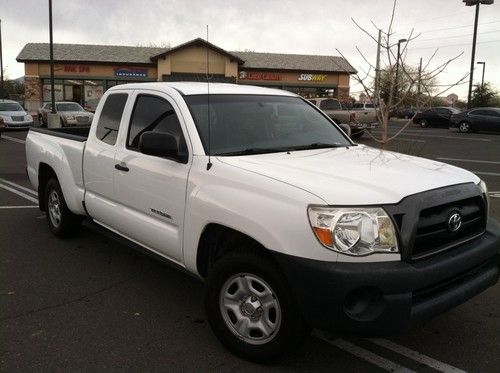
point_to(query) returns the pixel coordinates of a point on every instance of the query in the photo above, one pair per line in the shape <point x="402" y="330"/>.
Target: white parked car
<point x="70" y="113"/>
<point x="14" y="116"/>
<point x="261" y="195"/>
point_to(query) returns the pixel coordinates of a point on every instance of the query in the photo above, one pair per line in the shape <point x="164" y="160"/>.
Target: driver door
<point x="151" y="190"/>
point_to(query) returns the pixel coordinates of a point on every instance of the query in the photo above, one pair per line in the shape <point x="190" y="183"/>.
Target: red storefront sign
<point x="73" y="68"/>
<point x="254" y="75"/>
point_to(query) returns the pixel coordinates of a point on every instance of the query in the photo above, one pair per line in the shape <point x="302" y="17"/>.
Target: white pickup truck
<point x="257" y="192"/>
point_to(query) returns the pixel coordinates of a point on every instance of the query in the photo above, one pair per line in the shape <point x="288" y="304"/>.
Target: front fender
<point x="271" y="212"/>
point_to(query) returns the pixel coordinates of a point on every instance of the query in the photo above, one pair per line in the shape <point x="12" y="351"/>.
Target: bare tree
<point x="397" y="82"/>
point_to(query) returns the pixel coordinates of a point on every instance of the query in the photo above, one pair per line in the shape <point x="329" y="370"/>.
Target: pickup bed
<point x="260" y="194"/>
<point x="359" y="119"/>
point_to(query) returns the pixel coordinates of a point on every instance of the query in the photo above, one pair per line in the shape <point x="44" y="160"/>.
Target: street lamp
<point x="475" y="3"/>
<point x="397" y="63"/>
<point x="484" y="68"/>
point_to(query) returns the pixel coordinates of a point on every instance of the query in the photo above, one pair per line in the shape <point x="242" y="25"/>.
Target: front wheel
<point x="464" y="127"/>
<point x="250" y="308"/>
<point x="424" y="123"/>
<point x="62" y="222"/>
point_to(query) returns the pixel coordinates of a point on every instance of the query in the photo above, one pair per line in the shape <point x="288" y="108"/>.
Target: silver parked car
<point x="71" y="114"/>
<point x="13" y="115"/>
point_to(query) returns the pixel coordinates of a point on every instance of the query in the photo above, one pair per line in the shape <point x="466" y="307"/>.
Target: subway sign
<point x="312" y="77"/>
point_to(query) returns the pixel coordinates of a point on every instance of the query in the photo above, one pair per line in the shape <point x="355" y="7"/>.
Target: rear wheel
<point x="464" y="127"/>
<point x="250" y="308"/>
<point x="424" y="123"/>
<point x="62" y="222"/>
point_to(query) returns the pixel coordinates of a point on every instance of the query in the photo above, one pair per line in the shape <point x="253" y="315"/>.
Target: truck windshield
<point x="254" y="124"/>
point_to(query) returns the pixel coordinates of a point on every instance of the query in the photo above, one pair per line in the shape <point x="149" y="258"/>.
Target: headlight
<point x="354" y="230"/>
<point x="70" y="117"/>
<point x="28" y="118"/>
<point x="484" y="189"/>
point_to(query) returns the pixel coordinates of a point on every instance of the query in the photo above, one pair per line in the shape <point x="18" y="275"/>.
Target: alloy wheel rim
<point x="464" y="127"/>
<point x="250" y="308"/>
<point x="54" y="209"/>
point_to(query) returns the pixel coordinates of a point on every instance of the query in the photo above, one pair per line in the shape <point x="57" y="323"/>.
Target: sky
<point x="303" y="27"/>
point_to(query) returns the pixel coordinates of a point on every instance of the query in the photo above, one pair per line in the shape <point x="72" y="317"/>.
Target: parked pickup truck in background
<point x="358" y="120"/>
<point x="261" y="195"/>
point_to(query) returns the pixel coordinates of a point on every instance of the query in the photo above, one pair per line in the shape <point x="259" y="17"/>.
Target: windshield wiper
<point x="250" y="151"/>
<point x="318" y="145"/>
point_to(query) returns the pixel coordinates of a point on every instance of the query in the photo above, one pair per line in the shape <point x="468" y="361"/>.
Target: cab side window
<point x="152" y="113"/>
<point x="110" y="118"/>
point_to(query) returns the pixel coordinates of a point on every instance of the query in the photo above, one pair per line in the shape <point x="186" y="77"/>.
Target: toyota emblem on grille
<point x="454" y="222"/>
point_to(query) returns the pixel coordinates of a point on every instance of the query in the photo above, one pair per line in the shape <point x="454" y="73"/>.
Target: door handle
<point x="122" y="167"/>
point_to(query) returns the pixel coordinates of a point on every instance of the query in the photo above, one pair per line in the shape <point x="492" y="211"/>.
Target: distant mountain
<point x="19" y="80"/>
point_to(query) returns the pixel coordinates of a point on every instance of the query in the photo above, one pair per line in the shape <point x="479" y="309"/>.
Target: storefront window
<point x="93" y="93"/>
<point x="58" y="90"/>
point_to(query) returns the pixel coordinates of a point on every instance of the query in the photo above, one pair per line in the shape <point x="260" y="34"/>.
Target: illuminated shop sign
<point x="251" y="75"/>
<point x="312" y="77"/>
<point x="125" y="72"/>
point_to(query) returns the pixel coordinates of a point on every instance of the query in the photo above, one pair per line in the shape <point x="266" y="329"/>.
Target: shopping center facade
<point x="84" y="72"/>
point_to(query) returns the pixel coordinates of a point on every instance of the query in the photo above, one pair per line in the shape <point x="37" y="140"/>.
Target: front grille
<point x="82" y="119"/>
<point x="433" y="233"/>
<point x="17" y="118"/>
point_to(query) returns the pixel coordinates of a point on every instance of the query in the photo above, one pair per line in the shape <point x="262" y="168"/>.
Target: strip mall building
<point x="84" y="72"/>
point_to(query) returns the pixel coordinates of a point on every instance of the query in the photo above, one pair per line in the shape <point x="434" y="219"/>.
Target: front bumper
<point x="376" y="299"/>
<point x="13" y="125"/>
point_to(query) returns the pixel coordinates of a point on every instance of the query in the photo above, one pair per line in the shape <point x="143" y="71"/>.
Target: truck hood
<point x="358" y="175"/>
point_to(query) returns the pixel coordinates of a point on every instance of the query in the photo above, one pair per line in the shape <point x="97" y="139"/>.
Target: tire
<point x="235" y="288"/>
<point x="424" y="123"/>
<point x="464" y="127"/>
<point x="62" y="222"/>
<point x="357" y="135"/>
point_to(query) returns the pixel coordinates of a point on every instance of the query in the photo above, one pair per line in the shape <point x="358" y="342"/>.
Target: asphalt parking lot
<point x="89" y="303"/>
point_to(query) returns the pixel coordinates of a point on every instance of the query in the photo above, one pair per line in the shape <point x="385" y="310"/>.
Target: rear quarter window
<point x="110" y="118"/>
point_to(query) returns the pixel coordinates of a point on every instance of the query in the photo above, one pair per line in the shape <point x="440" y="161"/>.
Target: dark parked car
<point x="478" y="119"/>
<point x="403" y="113"/>
<point x="435" y="117"/>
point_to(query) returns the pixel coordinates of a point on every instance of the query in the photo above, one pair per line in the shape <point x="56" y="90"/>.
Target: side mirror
<point x="345" y="128"/>
<point x="160" y="144"/>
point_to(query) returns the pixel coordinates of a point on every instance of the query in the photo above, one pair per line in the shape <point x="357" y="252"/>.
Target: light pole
<point x="475" y="3"/>
<point x="484" y="68"/>
<point x="52" y="95"/>
<point x="397" y="64"/>
<point x="1" y="62"/>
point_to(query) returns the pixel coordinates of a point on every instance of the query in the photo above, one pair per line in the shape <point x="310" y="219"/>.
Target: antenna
<point x="209" y="164"/>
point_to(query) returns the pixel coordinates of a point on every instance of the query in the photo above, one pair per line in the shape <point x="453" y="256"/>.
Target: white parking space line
<point x="417" y="356"/>
<point x="31" y="191"/>
<point x="13" y="139"/>
<point x="486" y="173"/>
<point x="494" y="194"/>
<point x="18" y="207"/>
<point x="467" y="160"/>
<point x="444" y="137"/>
<point x="366" y="355"/>
<point x="405" y="139"/>
<point x="21" y="194"/>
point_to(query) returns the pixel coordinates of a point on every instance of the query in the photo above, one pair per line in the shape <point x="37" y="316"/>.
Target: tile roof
<point x="304" y="62"/>
<point x="88" y="53"/>
<point x="35" y="52"/>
